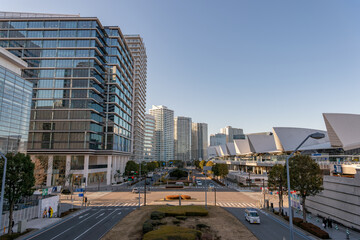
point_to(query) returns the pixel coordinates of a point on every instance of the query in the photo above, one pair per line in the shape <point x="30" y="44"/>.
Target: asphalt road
<point x="269" y="228"/>
<point x="92" y="224"/>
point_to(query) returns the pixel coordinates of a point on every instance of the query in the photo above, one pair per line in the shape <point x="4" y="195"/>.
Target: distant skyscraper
<point x="217" y="139"/>
<point x="15" y="104"/>
<point x="232" y="133"/>
<point x="199" y="141"/>
<point x="164" y="133"/>
<point x="182" y="138"/>
<point x="149" y="138"/>
<point x="138" y="51"/>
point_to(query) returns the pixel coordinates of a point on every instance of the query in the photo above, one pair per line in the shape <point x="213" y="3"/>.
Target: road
<point x="269" y="228"/>
<point x="110" y="207"/>
<point x="92" y="224"/>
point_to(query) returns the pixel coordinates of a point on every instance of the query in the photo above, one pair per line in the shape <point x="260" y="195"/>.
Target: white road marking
<point x="83" y="216"/>
<point x="100" y="215"/>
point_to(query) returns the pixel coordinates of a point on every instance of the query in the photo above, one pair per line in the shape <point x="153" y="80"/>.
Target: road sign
<point x="81" y="194"/>
<point x="45" y="192"/>
<point x="79" y="190"/>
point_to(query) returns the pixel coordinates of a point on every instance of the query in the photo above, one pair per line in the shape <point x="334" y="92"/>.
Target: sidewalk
<point x="334" y="233"/>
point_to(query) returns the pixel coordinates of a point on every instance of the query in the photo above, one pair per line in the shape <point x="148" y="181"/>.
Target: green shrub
<point x="147" y="226"/>
<point x="173" y="232"/>
<point x="201" y="226"/>
<point x="156" y="215"/>
<point x="173" y="211"/>
<point x="181" y="217"/>
<point x="311" y="228"/>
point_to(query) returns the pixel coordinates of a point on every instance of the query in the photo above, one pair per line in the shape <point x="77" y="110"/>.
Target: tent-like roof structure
<point x="242" y="146"/>
<point x="343" y="129"/>
<point x="288" y="139"/>
<point x="262" y="143"/>
<point x="231" y="148"/>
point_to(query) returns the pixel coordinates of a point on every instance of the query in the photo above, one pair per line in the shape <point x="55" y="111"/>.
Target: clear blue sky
<point x="249" y="64"/>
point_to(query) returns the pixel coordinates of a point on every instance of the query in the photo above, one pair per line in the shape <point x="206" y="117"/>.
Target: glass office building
<point x="82" y="75"/>
<point x="15" y="104"/>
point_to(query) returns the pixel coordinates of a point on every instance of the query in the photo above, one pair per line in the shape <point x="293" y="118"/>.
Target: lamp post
<point x="2" y="188"/>
<point x="316" y="135"/>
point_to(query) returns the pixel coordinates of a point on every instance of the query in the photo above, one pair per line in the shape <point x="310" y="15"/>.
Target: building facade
<point x="182" y="138"/>
<point x="232" y="133"/>
<point x="138" y="50"/>
<point x="199" y="141"/>
<point x="217" y="139"/>
<point x="82" y="107"/>
<point x="15" y="104"/>
<point x="164" y="133"/>
<point x="149" y="138"/>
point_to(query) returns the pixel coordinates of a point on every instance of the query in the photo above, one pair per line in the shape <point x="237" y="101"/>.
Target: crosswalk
<point x="236" y="205"/>
<point x="116" y="204"/>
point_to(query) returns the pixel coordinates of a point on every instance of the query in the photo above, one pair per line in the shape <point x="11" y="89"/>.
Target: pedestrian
<point x="329" y="222"/>
<point x="12" y="224"/>
<point x="49" y="211"/>
<point x="324" y="222"/>
<point x="44" y="213"/>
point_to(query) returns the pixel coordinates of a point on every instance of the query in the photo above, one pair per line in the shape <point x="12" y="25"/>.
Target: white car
<point x="211" y="185"/>
<point x="252" y="216"/>
<point x="135" y="190"/>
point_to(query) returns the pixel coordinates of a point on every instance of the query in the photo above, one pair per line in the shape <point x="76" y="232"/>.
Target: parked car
<point x="135" y="190"/>
<point x="211" y="185"/>
<point x="199" y="183"/>
<point x="252" y="216"/>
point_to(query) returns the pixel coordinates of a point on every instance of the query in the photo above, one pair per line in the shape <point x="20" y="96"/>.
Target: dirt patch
<point x="223" y="225"/>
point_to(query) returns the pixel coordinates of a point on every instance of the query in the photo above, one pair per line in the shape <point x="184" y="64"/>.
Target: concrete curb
<point x="37" y="232"/>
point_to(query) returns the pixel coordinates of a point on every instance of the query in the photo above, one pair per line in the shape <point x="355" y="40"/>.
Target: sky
<point x="251" y="64"/>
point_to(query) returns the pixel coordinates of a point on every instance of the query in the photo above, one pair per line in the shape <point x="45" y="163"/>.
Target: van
<point x="252" y="216"/>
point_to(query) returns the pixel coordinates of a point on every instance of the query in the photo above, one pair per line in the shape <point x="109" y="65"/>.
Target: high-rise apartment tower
<point x="199" y="141"/>
<point x="182" y="138"/>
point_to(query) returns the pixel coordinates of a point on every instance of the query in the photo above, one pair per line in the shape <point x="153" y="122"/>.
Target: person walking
<point x="44" y="213"/>
<point x="329" y="222"/>
<point x="324" y="223"/>
<point x="49" y="211"/>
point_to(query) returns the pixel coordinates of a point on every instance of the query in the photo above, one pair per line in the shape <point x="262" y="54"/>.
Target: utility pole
<point x="139" y="184"/>
<point x="215" y="195"/>
<point x="145" y="191"/>
<point x="264" y="190"/>
<point x="205" y="193"/>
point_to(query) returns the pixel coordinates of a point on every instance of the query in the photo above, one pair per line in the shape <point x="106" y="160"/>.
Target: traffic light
<point x="132" y="177"/>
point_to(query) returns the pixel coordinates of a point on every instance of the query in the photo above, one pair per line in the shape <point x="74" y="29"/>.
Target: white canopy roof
<point x="288" y="139"/>
<point x="242" y="146"/>
<point x="343" y="129"/>
<point x="262" y="143"/>
<point x="231" y="148"/>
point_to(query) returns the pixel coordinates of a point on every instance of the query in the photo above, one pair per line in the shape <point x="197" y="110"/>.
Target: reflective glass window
<point x="62" y="83"/>
<point x="18" y="24"/>
<point x="79" y="93"/>
<point x="64" y="63"/>
<point x="45" y="83"/>
<point x="67" y="33"/>
<point x="84" y="33"/>
<point x="81" y="72"/>
<point x="33" y="43"/>
<point x="17" y="34"/>
<point x="48" y="53"/>
<point x="81" y="63"/>
<point x="67" y="43"/>
<point x="36" y="24"/>
<point x="51" y="24"/>
<point x="66" y="53"/>
<point x="68" y="24"/>
<point x="50" y="34"/>
<point x="34" y="34"/>
<point x="3" y="34"/>
<point x="49" y="44"/>
<point x="63" y="72"/>
<point x="4" y="43"/>
<point x="80" y="83"/>
<point x="44" y="94"/>
<point x="85" y="24"/>
<point x="82" y="53"/>
<point x="47" y="63"/>
<point x="46" y="73"/>
<point x="83" y="43"/>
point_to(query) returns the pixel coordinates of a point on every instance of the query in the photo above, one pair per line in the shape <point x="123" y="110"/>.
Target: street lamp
<point x="2" y="187"/>
<point x="316" y="135"/>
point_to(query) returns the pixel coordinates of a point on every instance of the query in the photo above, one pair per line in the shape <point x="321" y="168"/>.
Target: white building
<point x="164" y="132"/>
<point x="149" y="138"/>
<point x="217" y="139"/>
<point x="232" y="133"/>
<point x="182" y="138"/>
<point x="199" y="141"/>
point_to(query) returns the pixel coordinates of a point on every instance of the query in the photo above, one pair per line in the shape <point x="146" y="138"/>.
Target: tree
<point x="305" y="178"/>
<point x="277" y="181"/>
<point x="223" y="170"/>
<point x="201" y="164"/>
<point x="19" y="181"/>
<point x="131" y="166"/>
<point x="215" y="169"/>
<point x="209" y="164"/>
<point x="40" y="172"/>
<point x="197" y="163"/>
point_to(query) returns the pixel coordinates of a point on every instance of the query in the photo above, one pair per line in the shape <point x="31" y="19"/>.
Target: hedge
<point x="175" y="197"/>
<point x="311" y="228"/>
<point x="173" y="232"/>
<point x="173" y="211"/>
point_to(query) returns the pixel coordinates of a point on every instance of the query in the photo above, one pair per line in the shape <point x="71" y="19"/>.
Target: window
<point x="68" y="24"/>
<point x="36" y="24"/>
<point x="33" y="43"/>
<point x="3" y="34"/>
<point x="81" y="72"/>
<point x="80" y="83"/>
<point x="48" y="53"/>
<point x="46" y="73"/>
<point x="78" y="103"/>
<point x="81" y="63"/>
<point x="34" y="34"/>
<point x="44" y="94"/>
<point x="18" y="24"/>
<point x="49" y="44"/>
<point x="66" y="53"/>
<point x="84" y="33"/>
<point x="65" y="63"/>
<point x="63" y="73"/>
<point x="17" y="34"/>
<point x="79" y="93"/>
<point x="50" y="34"/>
<point x="67" y="33"/>
<point x="82" y="53"/>
<point x="62" y="83"/>
<point x="45" y="83"/>
<point x="52" y="24"/>
<point x="47" y="63"/>
<point x="83" y="43"/>
<point x="66" y="43"/>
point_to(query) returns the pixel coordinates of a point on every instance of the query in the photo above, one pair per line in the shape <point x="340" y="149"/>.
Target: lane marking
<point x="99" y="215"/>
<point x="83" y="216"/>
<point x="94" y="225"/>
